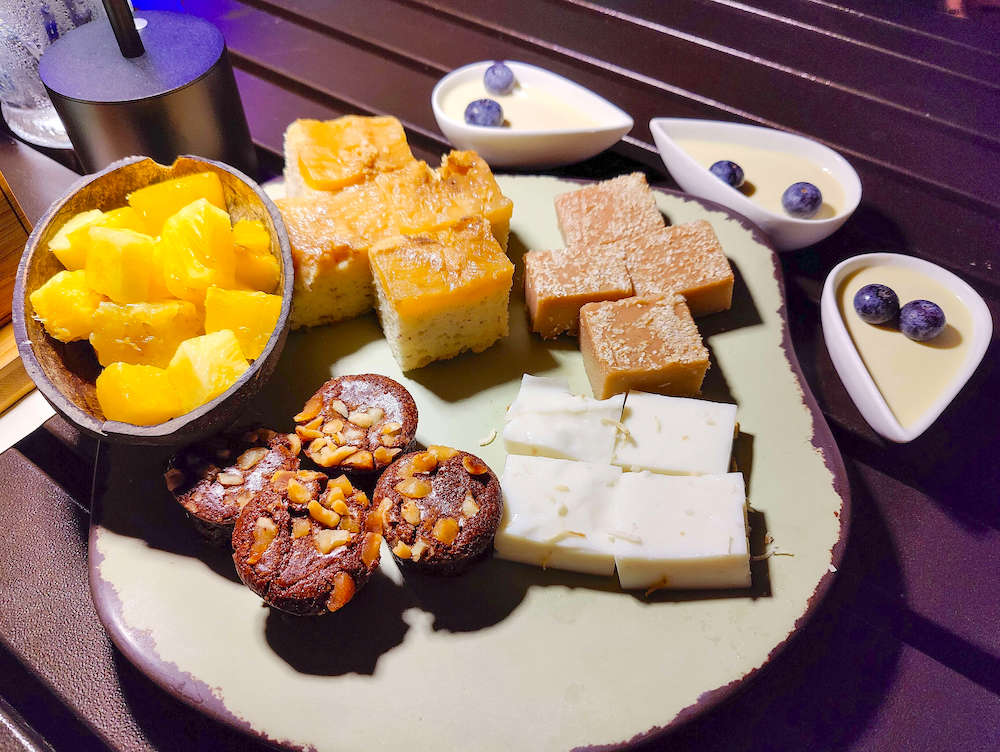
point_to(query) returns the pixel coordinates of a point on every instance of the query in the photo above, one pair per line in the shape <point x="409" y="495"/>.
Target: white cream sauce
<point x="525" y="108"/>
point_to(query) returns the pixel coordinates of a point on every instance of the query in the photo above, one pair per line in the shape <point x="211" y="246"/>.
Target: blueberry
<point x="498" y="79"/>
<point x="921" y="320"/>
<point x="728" y="172"/>
<point x="876" y="304"/>
<point x="801" y="200"/>
<point x="484" y="112"/>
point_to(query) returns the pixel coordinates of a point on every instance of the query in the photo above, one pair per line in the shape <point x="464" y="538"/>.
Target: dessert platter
<point x="533" y="449"/>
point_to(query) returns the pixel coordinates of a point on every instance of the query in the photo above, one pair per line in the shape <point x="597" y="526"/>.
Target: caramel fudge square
<point x="557" y="283"/>
<point x="684" y="259"/>
<point x="648" y="344"/>
<point x="608" y="211"/>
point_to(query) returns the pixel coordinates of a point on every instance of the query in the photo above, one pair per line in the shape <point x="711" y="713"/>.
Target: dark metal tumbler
<point x="162" y="92"/>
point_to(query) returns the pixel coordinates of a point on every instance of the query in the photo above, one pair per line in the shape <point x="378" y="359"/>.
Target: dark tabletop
<point x="904" y="652"/>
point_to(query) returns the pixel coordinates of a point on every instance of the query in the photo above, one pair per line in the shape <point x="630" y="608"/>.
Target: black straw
<point x="123" y="24"/>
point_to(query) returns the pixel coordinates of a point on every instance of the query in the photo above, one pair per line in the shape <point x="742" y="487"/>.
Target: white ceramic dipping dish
<point x="851" y="369"/>
<point x="787" y="233"/>
<point x="514" y="147"/>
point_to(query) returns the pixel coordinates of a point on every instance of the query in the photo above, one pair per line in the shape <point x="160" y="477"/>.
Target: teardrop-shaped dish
<point x="535" y="148"/>
<point x="850" y="364"/>
<point x="788" y="233"/>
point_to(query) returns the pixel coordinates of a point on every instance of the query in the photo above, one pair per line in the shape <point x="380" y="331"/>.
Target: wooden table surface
<point x="904" y="653"/>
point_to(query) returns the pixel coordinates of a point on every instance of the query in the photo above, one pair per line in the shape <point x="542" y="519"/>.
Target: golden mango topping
<point x="256" y="267"/>
<point x="337" y="153"/>
<point x="423" y="273"/>
<point x="122" y="264"/>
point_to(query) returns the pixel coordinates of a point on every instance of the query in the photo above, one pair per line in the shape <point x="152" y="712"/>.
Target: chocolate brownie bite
<point x="438" y="509"/>
<point x="357" y="423"/>
<point x="215" y="478"/>
<point x="305" y="548"/>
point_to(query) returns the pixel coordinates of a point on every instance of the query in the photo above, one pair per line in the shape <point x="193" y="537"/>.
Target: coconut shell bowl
<point x="65" y="373"/>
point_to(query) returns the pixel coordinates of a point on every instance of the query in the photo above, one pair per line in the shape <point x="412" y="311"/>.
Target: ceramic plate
<point x="508" y="656"/>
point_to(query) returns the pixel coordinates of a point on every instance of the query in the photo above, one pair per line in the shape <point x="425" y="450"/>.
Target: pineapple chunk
<point x="123" y="264"/>
<point x="158" y="202"/>
<point x="251" y="316"/>
<point x="78" y="239"/>
<point x="141" y="395"/>
<point x="70" y="256"/>
<point x="65" y="305"/>
<point x="256" y="267"/>
<point x="252" y="236"/>
<point x="206" y="366"/>
<point x="197" y="251"/>
<point x="143" y="333"/>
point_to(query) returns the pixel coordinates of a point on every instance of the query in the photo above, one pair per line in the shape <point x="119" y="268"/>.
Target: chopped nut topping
<point x="250" y="457"/>
<point x="279" y="481"/>
<point x="360" y="418"/>
<point x="384" y="456"/>
<point x="294" y="443"/>
<point x="361" y="498"/>
<point x="418" y="549"/>
<point x="243" y="498"/>
<point x="340" y="507"/>
<point x="340" y="408"/>
<point x="443" y="453"/>
<point x="307" y="476"/>
<point x="327" y="540"/>
<point x="378" y="519"/>
<point x="411" y="512"/>
<point x="376" y="414"/>
<point x="343" y="484"/>
<point x="362" y="460"/>
<point x="353" y="433"/>
<point x="264" y="532"/>
<point x="370" y="548"/>
<point x="308" y="433"/>
<point x="329" y="457"/>
<point x="469" y="506"/>
<point x="424" y="462"/>
<point x="300" y="527"/>
<point x="392" y="428"/>
<point x="174" y="479"/>
<point x="445" y="529"/>
<point x="299" y="493"/>
<point x="350" y="524"/>
<point x="474" y="465"/>
<point x="231" y="478"/>
<point x="414" y="488"/>
<point x="333" y="426"/>
<point x="401" y="550"/>
<point x="343" y="591"/>
<point x="322" y="515"/>
<point x="311" y="409"/>
<point x="316" y="445"/>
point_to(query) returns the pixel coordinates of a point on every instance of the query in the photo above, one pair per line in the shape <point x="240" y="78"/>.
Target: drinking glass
<point x="27" y="27"/>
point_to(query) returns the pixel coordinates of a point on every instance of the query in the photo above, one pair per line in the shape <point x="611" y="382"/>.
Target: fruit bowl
<point x="65" y="373"/>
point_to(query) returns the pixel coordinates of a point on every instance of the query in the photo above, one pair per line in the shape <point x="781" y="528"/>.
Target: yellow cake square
<point x="644" y="344"/>
<point x="330" y="236"/>
<point x="557" y="283"/>
<point x="442" y="292"/>
<point x="327" y="155"/>
<point x="686" y="259"/>
<point x="466" y="177"/>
